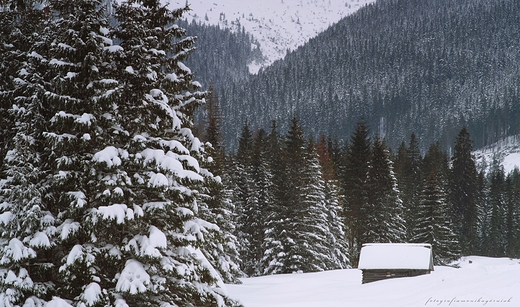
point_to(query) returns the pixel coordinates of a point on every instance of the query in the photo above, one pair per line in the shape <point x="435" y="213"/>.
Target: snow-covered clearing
<point x="506" y="151"/>
<point x="483" y="282"/>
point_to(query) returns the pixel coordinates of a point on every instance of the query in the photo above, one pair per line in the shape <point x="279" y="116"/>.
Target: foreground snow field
<point x="483" y="282"/>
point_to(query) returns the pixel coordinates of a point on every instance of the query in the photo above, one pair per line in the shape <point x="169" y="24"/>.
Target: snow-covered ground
<point x="483" y="282"/>
<point x="507" y="152"/>
<point x="278" y="25"/>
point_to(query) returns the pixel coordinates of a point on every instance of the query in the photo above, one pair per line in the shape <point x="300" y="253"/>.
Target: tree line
<point x="309" y="204"/>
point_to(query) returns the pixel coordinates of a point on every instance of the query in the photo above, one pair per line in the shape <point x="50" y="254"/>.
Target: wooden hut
<point x="379" y="261"/>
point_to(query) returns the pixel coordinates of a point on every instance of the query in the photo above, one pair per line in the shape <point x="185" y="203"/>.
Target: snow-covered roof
<point x="381" y="256"/>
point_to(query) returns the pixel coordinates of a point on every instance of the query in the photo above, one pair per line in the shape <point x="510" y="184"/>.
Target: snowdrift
<point x="479" y="281"/>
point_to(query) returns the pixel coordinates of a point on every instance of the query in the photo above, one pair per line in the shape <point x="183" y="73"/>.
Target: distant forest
<point x="404" y="66"/>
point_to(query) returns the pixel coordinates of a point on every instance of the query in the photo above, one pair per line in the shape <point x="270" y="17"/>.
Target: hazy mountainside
<point x="276" y="25"/>
<point x="405" y="66"/>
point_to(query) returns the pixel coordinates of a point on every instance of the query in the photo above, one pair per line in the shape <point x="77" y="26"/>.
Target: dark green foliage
<point x="436" y="161"/>
<point x="354" y="184"/>
<point x="221" y="249"/>
<point x="246" y="201"/>
<point x="464" y="193"/>
<point x="512" y="220"/>
<point x="408" y="173"/>
<point x="495" y="237"/>
<point x="275" y="231"/>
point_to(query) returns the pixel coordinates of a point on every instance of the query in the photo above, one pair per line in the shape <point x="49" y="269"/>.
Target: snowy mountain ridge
<point x="277" y="25"/>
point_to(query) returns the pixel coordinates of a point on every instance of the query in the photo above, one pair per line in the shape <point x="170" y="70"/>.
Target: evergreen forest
<point x="111" y="194"/>
<point x="427" y="67"/>
<point x="284" y="185"/>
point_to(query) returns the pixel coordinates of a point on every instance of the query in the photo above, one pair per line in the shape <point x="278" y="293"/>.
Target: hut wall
<point x="375" y="275"/>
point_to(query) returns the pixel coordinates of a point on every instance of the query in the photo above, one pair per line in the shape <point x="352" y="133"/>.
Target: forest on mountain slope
<point x="223" y="54"/>
<point x="403" y="66"/>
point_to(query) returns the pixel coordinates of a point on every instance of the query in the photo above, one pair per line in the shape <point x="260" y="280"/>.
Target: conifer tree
<point x="78" y="88"/>
<point x="354" y="179"/>
<point x="213" y="132"/>
<point x="20" y="25"/>
<point x="483" y="212"/>
<point x="464" y="192"/>
<point x="165" y="228"/>
<point x="496" y="234"/>
<point x="436" y="161"/>
<point x="513" y="214"/>
<point x="27" y="226"/>
<point x="383" y="209"/>
<point x="408" y="174"/>
<point x="262" y="180"/>
<point x="316" y="243"/>
<point x="298" y="229"/>
<point x="220" y="244"/>
<point x="434" y="223"/>
<point x="216" y="204"/>
<point x="276" y="235"/>
<point x="294" y="160"/>
<point x="244" y="197"/>
<point x="336" y="239"/>
<point x="119" y="222"/>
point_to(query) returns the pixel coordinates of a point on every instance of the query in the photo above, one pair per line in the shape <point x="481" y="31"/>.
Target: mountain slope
<point x="428" y="67"/>
<point x="277" y="25"/>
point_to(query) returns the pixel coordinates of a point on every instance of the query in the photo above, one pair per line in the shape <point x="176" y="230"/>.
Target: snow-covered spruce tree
<point x="26" y="224"/>
<point x="296" y="239"/>
<point x="215" y="203"/>
<point x="20" y="23"/>
<point x="262" y="188"/>
<point x="434" y="223"/>
<point x="513" y="214"/>
<point x="336" y="240"/>
<point x="382" y="212"/>
<point x="220" y="244"/>
<point x="155" y="207"/>
<point x="311" y="219"/>
<point x="294" y="158"/>
<point x="276" y="235"/>
<point x="322" y="226"/>
<point x="122" y="162"/>
<point x="77" y="87"/>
